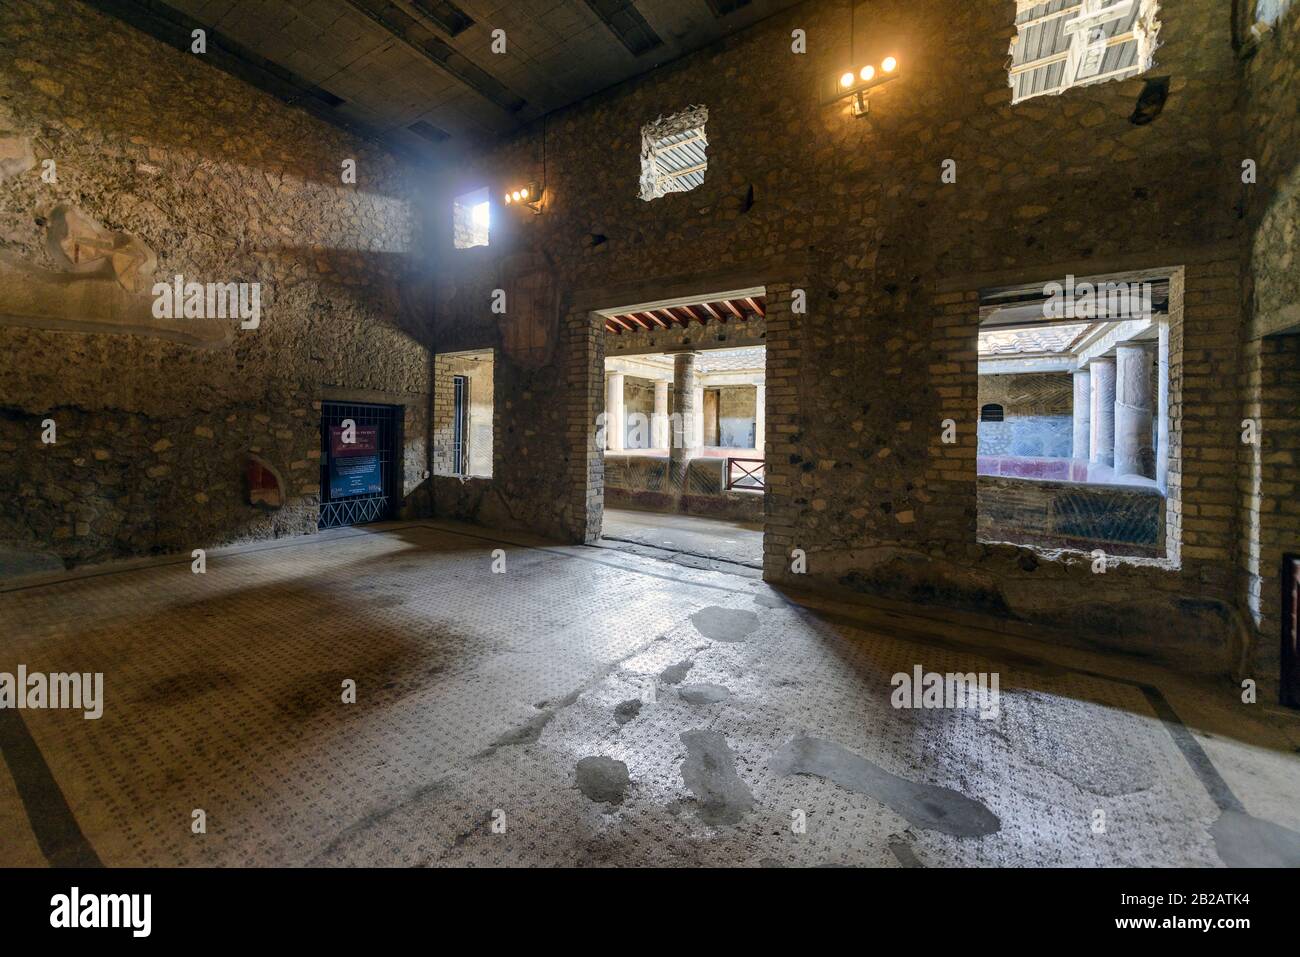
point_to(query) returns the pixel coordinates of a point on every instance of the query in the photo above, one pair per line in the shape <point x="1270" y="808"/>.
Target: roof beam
<point x="423" y="41"/>
<point x="708" y="307"/>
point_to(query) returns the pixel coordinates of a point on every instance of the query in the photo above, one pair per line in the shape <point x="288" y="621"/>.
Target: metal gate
<point x="377" y="493"/>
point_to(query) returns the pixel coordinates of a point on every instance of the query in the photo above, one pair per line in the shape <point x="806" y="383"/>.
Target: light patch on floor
<point x="689" y="536"/>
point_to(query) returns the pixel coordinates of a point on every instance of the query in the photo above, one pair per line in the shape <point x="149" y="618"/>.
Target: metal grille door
<point x="363" y="487"/>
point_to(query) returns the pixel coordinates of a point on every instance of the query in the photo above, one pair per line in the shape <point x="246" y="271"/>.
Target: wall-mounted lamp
<point x="857" y="84"/>
<point x="530" y="196"/>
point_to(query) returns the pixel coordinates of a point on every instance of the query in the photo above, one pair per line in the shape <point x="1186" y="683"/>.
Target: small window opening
<point x="1061" y="45"/>
<point x="673" y="151"/>
<point x="471" y="218"/>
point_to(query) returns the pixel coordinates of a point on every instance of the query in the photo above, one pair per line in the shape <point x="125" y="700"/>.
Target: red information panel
<point x="367" y="441"/>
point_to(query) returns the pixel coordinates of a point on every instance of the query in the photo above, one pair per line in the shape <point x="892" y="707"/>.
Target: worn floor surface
<point x="589" y="706"/>
<point x="687" y="535"/>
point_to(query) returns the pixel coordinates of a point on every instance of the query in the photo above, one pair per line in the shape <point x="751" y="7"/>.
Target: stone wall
<point x="1268" y="487"/>
<point x="736" y="416"/>
<point x="853" y="212"/>
<point x="639" y="400"/>
<point x="642" y="481"/>
<point x="1116" y="520"/>
<point x="180" y="169"/>
<point x="1036" y="410"/>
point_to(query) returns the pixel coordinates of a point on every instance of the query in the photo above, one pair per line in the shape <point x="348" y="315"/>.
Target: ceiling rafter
<point x="741" y="305"/>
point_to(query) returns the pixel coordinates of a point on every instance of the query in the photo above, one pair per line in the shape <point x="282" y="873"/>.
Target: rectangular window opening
<point x="1061" y="44"/>
<point x="463" y="408"/>
<point x="1072" y="411"/>
<point x="471" y="219"/>
<point x="673" y="153"/>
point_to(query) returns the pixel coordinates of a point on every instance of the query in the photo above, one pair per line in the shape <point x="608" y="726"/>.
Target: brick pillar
<point x="1134" y="415"/>
<point x="659" y="437"/>
<point x="686" y="437"/>
<point x="760" y="416"/>
<point x="1082" y="411"/>
<point x="615" y="422"/>
<point x="1102" y="445"/>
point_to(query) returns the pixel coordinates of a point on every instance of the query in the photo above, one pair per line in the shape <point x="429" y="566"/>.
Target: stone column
<point x="760" y="417"/>
<point x="1134" y="415"/>
<point x="659" y="437"/>
<point x="686" y="435"/>
<point x="615" y="422"/>
<point x="1101" y="447"/>
<point x="1082" y="411"/>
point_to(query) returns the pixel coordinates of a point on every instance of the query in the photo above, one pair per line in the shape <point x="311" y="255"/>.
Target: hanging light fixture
<point x="854" y="82"/>
<point x="530" y="196"/>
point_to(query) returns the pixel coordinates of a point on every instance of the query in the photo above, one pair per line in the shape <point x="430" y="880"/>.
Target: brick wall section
<point x="1270" y="487"/>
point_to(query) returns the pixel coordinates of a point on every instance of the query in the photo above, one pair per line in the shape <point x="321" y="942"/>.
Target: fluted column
<point x="1134" y="415"/>
<point x="1082" y="411"/>
<point x="615" y="423"/>
<point x="1102" y="427"/>
<point x="760" y="417"/>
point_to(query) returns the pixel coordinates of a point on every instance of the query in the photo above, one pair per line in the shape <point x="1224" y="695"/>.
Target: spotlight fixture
<point x="530" y="196"/>
<point x="855" y="85"/>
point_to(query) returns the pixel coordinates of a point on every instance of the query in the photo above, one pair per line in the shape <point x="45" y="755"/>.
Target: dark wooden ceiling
<point x="420" y="75"/>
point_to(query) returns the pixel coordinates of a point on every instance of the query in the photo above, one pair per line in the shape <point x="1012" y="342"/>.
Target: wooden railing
<point x="747" y="474"/>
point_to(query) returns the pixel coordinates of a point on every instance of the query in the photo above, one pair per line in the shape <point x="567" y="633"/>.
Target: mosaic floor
<point x="589" y="706"/>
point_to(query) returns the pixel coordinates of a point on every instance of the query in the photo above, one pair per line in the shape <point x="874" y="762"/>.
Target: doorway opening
<point x="683" y="437"/>
<point x="359" y="465"/>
